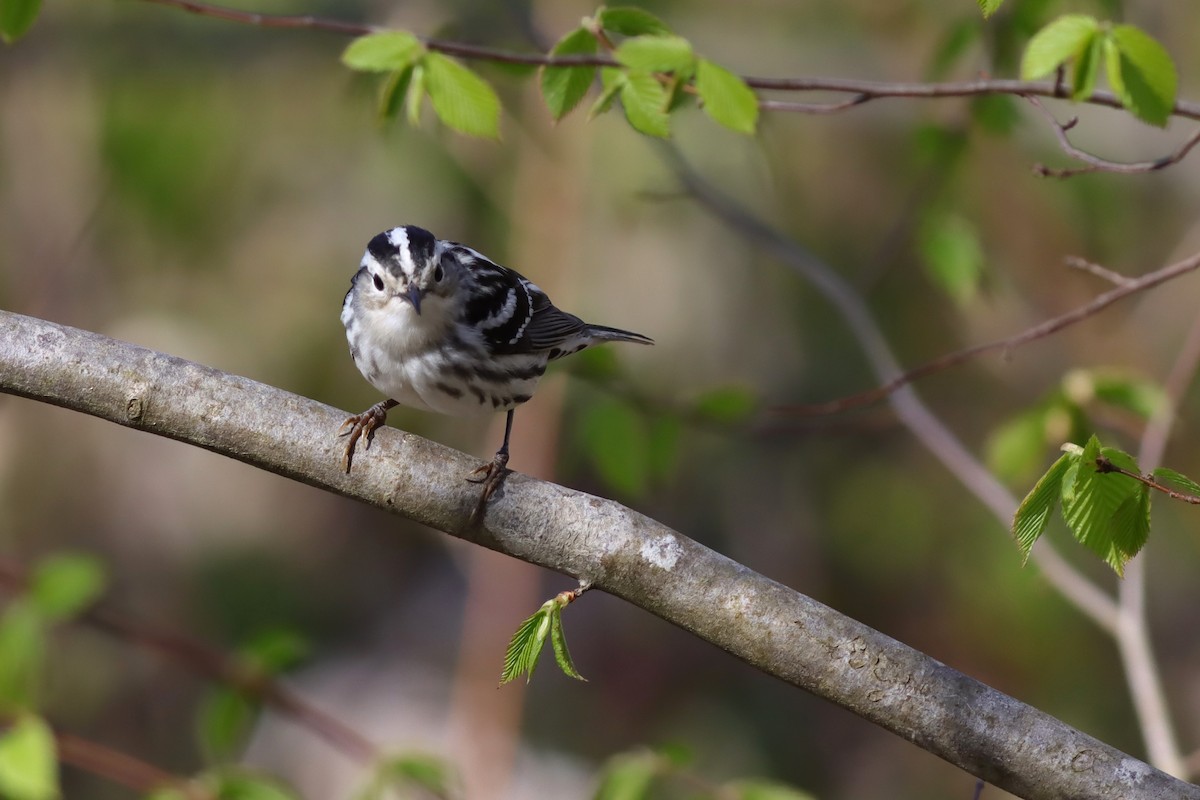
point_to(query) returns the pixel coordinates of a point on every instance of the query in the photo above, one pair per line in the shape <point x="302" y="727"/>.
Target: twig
<point x="1104" y="465"/>
<point x="217" y="666"/>
<point x="1100" y="271"/>
<point x="1039" y="331"/>
<point x="863" y="90"/>
<point x="1095" y="163"/>
<point x="122" y="768"/>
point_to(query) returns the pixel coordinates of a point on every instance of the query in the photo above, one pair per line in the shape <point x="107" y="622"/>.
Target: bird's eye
<point x="438" y="274"/>
<point x="379" y="283"/>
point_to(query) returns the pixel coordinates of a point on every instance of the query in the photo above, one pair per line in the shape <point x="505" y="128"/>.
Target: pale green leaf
<point x="765" y="790"/>
<point x="411" y="770"/>
<point x="1018" y="447"/>
<point x="645" y="102"/>
<point x="223" y="721"/>
<point x="1178" y="478"/>
<point x="17" y="17"/>
<point x="564" y="87"/>
<point x="1034" y="512"/>
<point x="1095" y="498"/>
<point x="22" y="651"/>
<point x="988" y="7"/>
<point x="1141" y="73"/>
<point x="1061" y="40"/>
<point x="65" y="584"/>
<point x="627" y="777"/>
<point x="1130" y="528"/>
<point x="727" y="98"/>
<point x="526" y="645"/>
<point x="462" y="100"/>
<point x="1127" y="392"/>
<point x="952" y="255"/>
<point x="28" y="760"/>
<point x="383" y="52"/>
<point x="630" y="21"/>
<point x="612" y="80"/>
<point x="656" y="54"/>
<point x="558" y="642"/>
<point x="276" y="650"/>
<point x="1087" y="67"/>
<point x="416" y="93"/>
<point x="392" y="93"/>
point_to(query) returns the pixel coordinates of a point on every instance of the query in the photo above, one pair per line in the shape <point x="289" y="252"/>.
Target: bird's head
<point x="407" y="265"/>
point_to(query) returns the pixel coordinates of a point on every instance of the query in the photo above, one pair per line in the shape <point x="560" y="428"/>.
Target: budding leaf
<point x="462" y="100"/>
<point x="383" y="52"/>
<point x="392" y="93"/>
<point x="526" y="645"/>
<point x="656" y="54"/>
<point x="17" y="17"/>
<point x="564" y="87"/>
<point x="1063" y="39"/>
<point x="727" y="98"/>
<point x="1034" y="512"/>
<point x="28" y="761"/>
<point x="1177" y="478"/>
<point x="630" y="21"/>
<point x="1141" y="73"/>
<point x="558" y="643"/>
<point x="989" y="7"/>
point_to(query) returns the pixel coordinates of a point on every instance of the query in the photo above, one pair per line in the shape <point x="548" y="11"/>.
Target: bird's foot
<point x="362" y="426"/>
<point x="491" y="475"/>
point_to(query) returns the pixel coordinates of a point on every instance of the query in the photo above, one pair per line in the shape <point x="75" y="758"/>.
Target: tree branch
<point x="766" y="624"/>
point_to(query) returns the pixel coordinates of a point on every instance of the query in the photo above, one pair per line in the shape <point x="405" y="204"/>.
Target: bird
<point x="438" y="326"/>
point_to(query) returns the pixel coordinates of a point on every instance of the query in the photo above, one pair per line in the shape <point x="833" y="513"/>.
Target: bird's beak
<point x="414" y="295"/>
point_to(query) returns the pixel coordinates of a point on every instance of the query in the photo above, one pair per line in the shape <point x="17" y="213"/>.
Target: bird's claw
<point x="362" y="427"/>
<point x="491" y="477"/>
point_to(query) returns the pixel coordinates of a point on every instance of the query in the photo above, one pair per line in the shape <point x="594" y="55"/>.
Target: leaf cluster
<point x="525" y="648"/>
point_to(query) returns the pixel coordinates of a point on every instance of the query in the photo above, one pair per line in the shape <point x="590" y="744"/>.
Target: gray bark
<point x="774" y="628"/>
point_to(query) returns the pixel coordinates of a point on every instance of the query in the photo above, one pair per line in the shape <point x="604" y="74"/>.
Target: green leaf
<point x="628" y="776"/>
<point x="613" y="80"/>
<point x="558" y="642"/>
<point x="630" y="21"/>
<point x="1034" y="512"/>
<point x="526" y="645"/>
<point x="1017" y="448"/>
<point x="392" y="93"/>
<point x="614" y="436"/>
<point x="564" y="87"/>
<point x="416" y="91"/>
<point x="727" y="98"/>
<point x="764" y="790"/>
<point x="276" y="650"/>
<point x="22" y="652"/>
<point x="17" y="17"/>
<point x="1092" y="503"/>
<point x="1130" y="527"/>
<point x="411" y="770"/>
<point x="462" y="100"/>
<point x="656" y="54"/>
<point x="1062" y="39"/>
<point x="1178" y="478"/>
<point x="645" y="102"/>
<point x="1127" y="392"/>
<point x="988" y="7"/>
<point x="1141" y="73"/>
<point x="726" y="405"/>
<point x="28" y="760"/>
<point x="231" y="784"/>
<point x="952" y="255"/>
<point x="65" y="584"/>
<point x="224" y="720"/>
<point x="1087" y="67"/>
<point x="383" y="52"/>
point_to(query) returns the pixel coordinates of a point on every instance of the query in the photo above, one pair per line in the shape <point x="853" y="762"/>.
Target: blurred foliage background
<point x="207" y="190"/>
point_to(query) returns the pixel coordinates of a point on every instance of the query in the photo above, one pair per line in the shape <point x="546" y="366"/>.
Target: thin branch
<point x="863" y="90"/>
<point x="778" y="630"/>
<point x="1095" y="163"/>
<point x="1104" y="465"/>
<point x="1099" y="270"/>
<point x="122" y="768"/>
<point x="913" y="413"/>
<point x="211" y="663"/>
<point x="1099" y="303"/>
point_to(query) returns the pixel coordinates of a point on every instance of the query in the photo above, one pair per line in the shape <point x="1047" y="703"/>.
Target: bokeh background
<point x="207" y="189"/>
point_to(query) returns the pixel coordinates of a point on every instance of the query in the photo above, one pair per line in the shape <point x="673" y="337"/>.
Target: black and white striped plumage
<point x="436" y="325"/>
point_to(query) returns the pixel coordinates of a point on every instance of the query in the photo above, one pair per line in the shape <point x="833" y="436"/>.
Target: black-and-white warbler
<point x="437" y="326"/>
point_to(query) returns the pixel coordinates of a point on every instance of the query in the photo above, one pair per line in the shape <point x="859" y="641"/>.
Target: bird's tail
<point x="603" y="333"/>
